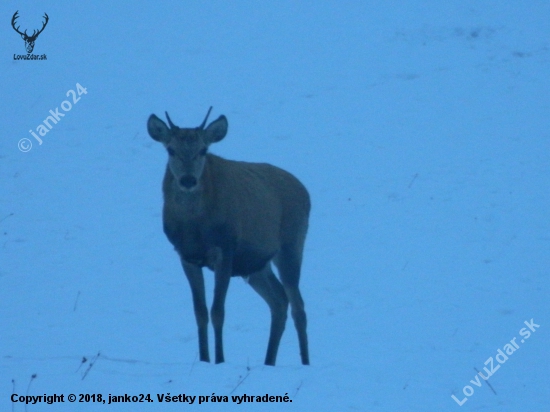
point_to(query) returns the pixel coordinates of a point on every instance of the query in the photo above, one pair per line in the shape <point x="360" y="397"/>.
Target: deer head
<point x="187" y="147"/>
<point x="29" y="40"/>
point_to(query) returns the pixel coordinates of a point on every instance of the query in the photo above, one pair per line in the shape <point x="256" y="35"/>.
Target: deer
<point x="234" y="218"/>
<point x="29" y="40"/>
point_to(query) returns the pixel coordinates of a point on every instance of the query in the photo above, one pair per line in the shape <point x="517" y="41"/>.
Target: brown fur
<point x="238" y="218"/>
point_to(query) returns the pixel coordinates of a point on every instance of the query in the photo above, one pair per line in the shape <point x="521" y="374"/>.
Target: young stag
<point x="234" y="218"/>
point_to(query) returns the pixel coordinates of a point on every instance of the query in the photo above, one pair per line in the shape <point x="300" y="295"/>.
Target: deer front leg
<point x="223" y="273"/>
<point x="196" y="281"/>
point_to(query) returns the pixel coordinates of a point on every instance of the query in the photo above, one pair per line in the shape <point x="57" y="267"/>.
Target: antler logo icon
<point x="29" y="40"/>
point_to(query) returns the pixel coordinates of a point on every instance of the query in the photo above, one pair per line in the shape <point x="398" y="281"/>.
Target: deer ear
<point x="157" y="129"/>
<point x="216" y="130"/>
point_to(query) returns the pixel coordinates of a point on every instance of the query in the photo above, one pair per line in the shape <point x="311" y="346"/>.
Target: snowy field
<point x="422" y="132"/>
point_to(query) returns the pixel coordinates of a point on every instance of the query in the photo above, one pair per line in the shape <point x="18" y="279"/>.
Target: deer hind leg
<point x="266" y="284"/>
<point x="196" y="281"/>
<point x="288" y="262"/>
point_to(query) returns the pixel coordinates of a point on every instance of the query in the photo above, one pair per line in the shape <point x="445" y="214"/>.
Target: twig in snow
<point x="12" y="392"/>
<point x="413" y="179"/>
<point x="193" y="364"/>
<point x="33" y="376"/>
<point x="297" y="389"/>
<point x="76" y="301"/>
<point x="92" y="362"/>
<point x="242" y="380"/>
<point x="486" y="381"/>
<point x="84" y="360"/>
<point x="5" y="217"/>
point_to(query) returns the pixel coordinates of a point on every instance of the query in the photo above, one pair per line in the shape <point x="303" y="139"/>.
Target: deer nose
<point x="188" y="181"/>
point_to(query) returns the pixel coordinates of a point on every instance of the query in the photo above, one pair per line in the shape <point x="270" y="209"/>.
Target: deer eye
<point x="171" y="151"/>
<point x="203" y="152"/>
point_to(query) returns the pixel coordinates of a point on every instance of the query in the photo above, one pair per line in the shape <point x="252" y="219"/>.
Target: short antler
<point x="172" y="125"/>
<point x="205" y="119"/>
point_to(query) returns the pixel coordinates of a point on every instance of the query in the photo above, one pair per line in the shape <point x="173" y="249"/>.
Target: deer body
<point x="234" y="218"/>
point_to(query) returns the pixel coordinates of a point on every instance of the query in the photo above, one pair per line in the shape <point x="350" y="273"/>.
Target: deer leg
<point x="300" y="320"/>
<point x="270" y="289"/>
<point x="288" y="263"/>
<point x="217" y="313"/>
<point x="196" y="281"/>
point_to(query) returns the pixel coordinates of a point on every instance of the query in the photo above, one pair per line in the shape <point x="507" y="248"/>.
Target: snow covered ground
<point x="422" y="131"/>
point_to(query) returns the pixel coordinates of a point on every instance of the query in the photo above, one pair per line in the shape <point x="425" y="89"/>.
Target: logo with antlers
<point x="29" y="40"/>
